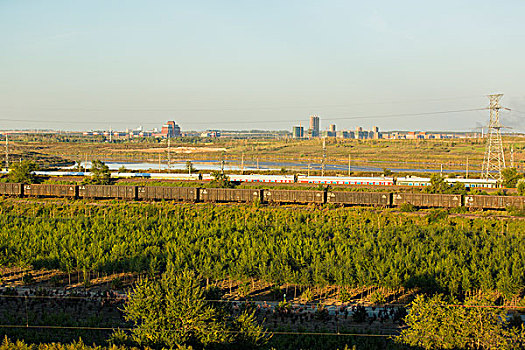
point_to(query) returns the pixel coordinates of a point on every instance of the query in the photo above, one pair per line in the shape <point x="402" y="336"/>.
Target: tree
<point x="521" y="187"/>
<point x="387" y="172"/>
<point x="434" y="323"/>
<point x="220" y="180"/>
<point x="122" y="169"/>
<point x="23" y="172"/>
<point x="437" y="185"/>
<point x="100" y="174"/>
<point x="173" y="312"/>
<point x="510" y="177"/>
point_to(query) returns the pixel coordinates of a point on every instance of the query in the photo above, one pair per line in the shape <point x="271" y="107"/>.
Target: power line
<point x="376" y="116"/>
<point x="230" y="109"/>
<point x="176" y="330"/>
<point x="101" y="298"/>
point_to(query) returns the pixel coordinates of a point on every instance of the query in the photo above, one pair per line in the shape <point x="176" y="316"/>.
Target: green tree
<point x="510" y="177"/>
<point x="23" y="172"/>
<point x="220" y="180"/>
<point x="100" y="174"/>
<point x="173" y="312"/>
<point x="437" y="185"/>
<point x="434" y="323"/>
<point x="520" y="185"/>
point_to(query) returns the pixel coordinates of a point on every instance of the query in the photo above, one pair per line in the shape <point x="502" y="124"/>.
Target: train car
<point x="294" y="196"/>
<point x="413" y="181"/>
<point x="427" y="200"/>
<point x="494" y="202"/>
<point x="107" y="191"/>
<point x="262" y="178"/>
<point x="11" y="189"/>
<point x="474" y="183"/>
<point x="176" y="176"/>
<point x="230" y="195"/>
<point x="359" y="198"/>
<point x="180" y="194"/>
<point x="346" y="180"/>
<point x="46" y="190"/>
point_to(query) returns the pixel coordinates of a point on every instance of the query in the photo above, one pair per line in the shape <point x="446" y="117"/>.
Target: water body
<point x="209" y="165"/>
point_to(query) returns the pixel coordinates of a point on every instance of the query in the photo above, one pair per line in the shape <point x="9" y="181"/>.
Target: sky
<point x="100" y="64"/>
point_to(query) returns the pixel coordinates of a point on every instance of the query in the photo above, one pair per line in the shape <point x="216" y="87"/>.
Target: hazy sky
<point x="269" y="64"/>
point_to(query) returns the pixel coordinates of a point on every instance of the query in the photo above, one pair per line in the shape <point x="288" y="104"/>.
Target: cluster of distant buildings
<point x="299" y="132"/>
<point x="171" y="130"/>
<point x="168" y="130"/>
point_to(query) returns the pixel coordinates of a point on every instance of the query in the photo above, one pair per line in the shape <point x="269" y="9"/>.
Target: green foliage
<point x="100" y="174"/>
<point x="347" y="247"/>
<point x="220" y="180"/>
<point x="407" y="208"/>
<point x="8" y="344"/>
<point x="122" y="169"/>
<point x="510" y="177"/>
<point x="434" y="323"/>
<point x="439" y="185"/>
<point x="520" y="185"/>
<point x="22" y="172"/>
<point x="172" y="312"/>
<point x="387" y="172"/>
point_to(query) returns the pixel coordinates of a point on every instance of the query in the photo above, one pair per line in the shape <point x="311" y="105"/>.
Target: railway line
<point x="267" y="196"/>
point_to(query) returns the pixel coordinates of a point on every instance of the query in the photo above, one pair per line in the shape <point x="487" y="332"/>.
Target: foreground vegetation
<point x="310" y="248"/>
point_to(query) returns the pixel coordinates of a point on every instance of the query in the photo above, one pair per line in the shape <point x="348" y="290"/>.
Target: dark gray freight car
<point x="102" y="191"/>
<point x="427" y="200"/>
<point x="183" y="194"/>
<point x="359" y="198"/>
<point x="494" y="202"/>
<point x="44" y="190"/>
<point x="294" y="196"/>
<point x="10" y="189"/>
<point x="230" y="195"/>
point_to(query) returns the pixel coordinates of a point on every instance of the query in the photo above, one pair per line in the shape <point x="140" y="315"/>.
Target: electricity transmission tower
<point x="494" y="160"/>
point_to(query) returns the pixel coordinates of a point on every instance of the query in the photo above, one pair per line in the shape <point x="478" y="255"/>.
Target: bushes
<point x="305" y="247"/>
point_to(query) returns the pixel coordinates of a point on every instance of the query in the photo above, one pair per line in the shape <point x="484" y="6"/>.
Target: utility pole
<point x="110" y="134"/>
<point x="169" y="152"/>
<point x="494" y="159"/>
<point x="512" y="156"/>
<point x="257" y="163"/>
<point x="349" y="164"/>
<point x="324" y="157"/>
<point x="242" y="163"/>
<point x="6" y="152"/>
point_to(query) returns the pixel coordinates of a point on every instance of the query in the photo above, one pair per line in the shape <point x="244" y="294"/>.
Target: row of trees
<point x="23" y="172"/>
<point x="345" y="247"/>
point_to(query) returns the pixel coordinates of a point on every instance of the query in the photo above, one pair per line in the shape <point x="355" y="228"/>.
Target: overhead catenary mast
<point x="494" y="160"/>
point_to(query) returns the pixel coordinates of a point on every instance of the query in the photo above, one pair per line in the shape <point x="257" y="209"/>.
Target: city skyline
<point x="259" y="66"/>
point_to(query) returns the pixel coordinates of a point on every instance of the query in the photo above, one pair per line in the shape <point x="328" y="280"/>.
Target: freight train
<point x="269" y="196"/>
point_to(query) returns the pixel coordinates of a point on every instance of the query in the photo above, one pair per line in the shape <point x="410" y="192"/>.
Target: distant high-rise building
<point x="170" y="129"/>
<point x="298" y="132"/>
<point x="314" y="125"/>
<point x="331" y="131"/>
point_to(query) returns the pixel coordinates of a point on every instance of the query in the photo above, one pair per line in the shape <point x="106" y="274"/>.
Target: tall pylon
<point x="494" y="160"/>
